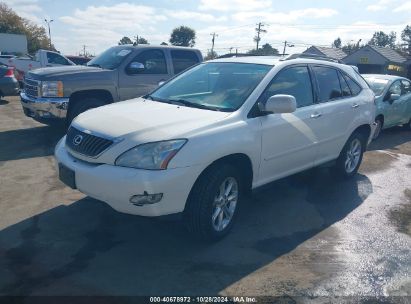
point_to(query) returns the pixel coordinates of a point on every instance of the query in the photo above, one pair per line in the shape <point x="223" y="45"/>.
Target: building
<point x="326" y="51"/>
<point x="372" y="59"/>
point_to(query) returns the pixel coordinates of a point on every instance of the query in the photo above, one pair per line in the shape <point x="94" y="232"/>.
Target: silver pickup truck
<point x="122" y="72"/>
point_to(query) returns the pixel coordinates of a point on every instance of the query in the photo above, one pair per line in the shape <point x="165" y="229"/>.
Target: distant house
<point x="326" y="51"/>
<point x="372" y="59"/>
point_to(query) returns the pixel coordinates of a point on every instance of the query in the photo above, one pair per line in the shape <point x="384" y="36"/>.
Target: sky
<point x="101" y="24"/>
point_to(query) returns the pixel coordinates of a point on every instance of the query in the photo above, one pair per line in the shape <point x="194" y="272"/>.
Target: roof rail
<point x="312" y="56"/>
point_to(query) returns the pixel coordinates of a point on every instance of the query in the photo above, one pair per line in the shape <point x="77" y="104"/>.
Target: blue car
<point x="393" y="100"/>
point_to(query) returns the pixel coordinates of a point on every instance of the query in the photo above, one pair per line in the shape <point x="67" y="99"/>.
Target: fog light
<point x="146" y="199"/>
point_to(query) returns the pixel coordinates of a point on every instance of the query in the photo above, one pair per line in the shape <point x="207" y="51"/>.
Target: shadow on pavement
<point x="87" y="248"/>
<point x="3" y="102"/>
<point x="391" y="139"/>
<point x="29" y="143"/>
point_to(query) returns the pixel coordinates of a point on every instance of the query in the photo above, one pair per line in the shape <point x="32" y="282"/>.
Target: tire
<point x="351" y="156"/>
<point x="378" y="129"/>
<point x="82" y="106"/>
<point x="204" y="217"/>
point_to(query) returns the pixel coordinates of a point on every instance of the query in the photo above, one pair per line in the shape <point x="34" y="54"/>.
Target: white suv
<point x="208" y="136"/>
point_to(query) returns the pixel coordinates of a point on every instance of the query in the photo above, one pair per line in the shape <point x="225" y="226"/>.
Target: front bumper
<point x="44" y="108"/>
<point x="116" y="185"/>
<point x="9" y="86"/>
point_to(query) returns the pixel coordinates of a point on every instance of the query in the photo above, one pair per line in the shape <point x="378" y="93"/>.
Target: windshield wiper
<point x="192" y="104"/>
<point x="95" y="65"/>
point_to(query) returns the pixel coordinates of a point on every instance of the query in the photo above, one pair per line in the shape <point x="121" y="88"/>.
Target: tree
<point x="406" y="37"/>
<point x="337" y="43"/>
<point x="125" y="40"/>
<point x="12" y="23"/>
<point x="183" y="36"/>
<point x="383" y="40"/>
<point x="164" y="43"/>
<point x="265" y="50"/>
<point x="140" y="40"/>
<point x="210" y="55"/>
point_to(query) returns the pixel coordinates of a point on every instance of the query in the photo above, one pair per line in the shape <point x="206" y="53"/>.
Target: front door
<point x="392" y="114"/>
<point x="289" y="140"/>
<point x="155" y="70"/>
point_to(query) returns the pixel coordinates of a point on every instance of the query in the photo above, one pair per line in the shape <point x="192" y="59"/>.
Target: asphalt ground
<point x="309" y="235"/>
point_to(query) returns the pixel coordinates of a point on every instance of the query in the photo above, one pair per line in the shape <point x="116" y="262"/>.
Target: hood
<point x="63" y="72"/>
<point x="143" y="120"/>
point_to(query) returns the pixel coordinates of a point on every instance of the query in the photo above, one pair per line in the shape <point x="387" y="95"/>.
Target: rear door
<point x="155" y="71"/>
<point x="183" y="59"/>
<point x="289" y="140"/>
<point x="338" y="107"/>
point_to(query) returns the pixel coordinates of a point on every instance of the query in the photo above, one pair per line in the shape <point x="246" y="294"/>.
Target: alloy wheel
<point x="225" y="203"/>
<point x="353" y="155"/>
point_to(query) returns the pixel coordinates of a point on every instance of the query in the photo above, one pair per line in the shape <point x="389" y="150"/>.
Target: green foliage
<point x="383" y="40"/>
<point x="11" y="23"/>
<point x="337" y="43"/>
<point x="265" y="50"/>
<point x="125" y="40"/>
<point x="406" y="37"/>
<point x="211" y="55"/>
<point x="183" y="36"/>
<point x="141" y="40"/>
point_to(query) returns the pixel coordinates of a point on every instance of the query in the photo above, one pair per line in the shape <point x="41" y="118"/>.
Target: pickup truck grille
<point x="31" y="87"/>
<point x="86" y="144"/>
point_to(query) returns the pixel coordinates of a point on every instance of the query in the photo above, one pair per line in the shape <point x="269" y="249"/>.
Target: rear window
<point x="182" y="60"/>
<point x="328" y="83"/>
<point x="355" y="87"/>
<point x="377" y="85"/>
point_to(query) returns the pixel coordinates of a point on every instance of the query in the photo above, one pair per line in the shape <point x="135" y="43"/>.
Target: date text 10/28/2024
<point x="218" y="299"/>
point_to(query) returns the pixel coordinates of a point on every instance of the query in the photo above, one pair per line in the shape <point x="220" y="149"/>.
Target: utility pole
<point x="48" y="25"/>
<point x="285" y="46"/>
<point x="136" y="37"/>
<point x="212" y="42"/>
<point x="84" y="50"/>
<point x="259" y="30"/>
<point x="231" y="48"/>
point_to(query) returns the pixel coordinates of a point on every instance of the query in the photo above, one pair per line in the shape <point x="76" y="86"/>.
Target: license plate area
<point x="67" y="176"/>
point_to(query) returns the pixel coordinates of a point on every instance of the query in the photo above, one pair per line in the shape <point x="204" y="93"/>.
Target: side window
<point x="395" y="88"/>
<point x="293" y="81"/>
<point x="56" y="59"/>
<point x="328" y="83"/>
<point x="183" y="60"/>
<point x="154" y="62"/>
<point x="406" y="87"/>
<point x="344" y="86"/>
<point x="355" y="88"/>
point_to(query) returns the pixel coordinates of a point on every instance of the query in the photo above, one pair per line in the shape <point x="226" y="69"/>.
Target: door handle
<point x="355" y="105"/>
<point x="316" y="115"/>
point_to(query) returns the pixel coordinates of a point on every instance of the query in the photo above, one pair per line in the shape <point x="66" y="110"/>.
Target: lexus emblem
<point x="77" y="140"/>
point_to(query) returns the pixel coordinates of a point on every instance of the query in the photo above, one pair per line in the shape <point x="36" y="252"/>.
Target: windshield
<point x="110" y="59"/>
<point x="216" y="85"/>
<point x="377" y="85"/>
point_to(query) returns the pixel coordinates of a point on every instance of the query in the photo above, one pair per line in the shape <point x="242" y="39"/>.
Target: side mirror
<point x="279" y="104"/>
<point x="394" y="97"/>
<point x="135" y="68"/>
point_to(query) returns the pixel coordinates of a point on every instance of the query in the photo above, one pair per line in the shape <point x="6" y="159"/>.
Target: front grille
<point x="86" y="144"/>
<point x="31" y="87"/>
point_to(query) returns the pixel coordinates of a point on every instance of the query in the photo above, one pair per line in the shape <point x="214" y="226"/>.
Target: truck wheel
<point x="213" y="203"/>
<point x="82" y="106"/>
<point x="351" y="156"/>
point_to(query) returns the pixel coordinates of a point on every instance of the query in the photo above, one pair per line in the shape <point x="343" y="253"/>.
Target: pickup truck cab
<point x="42" y="59"/>
<point x="201" y="141"/>
<point x="119" y="73"/>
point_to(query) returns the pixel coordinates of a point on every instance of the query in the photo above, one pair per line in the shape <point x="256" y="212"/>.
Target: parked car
<point x="42" y="58"/>
<point x="201" y="141"/>
<point x="393" y="99"/>
<point x="9" y="85"/>
<point x="79" y="60"/>
<point x="120" y="73"/>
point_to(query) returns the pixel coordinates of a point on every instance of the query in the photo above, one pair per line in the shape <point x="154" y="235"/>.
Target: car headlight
<point x="52" y="89"/>
<point x="151" y="156"/>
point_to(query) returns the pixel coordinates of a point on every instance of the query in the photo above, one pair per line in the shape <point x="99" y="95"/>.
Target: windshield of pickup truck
<point x="217" y="86"/>
<point x="377" y="85"/>
<point x="110" y="59"/>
